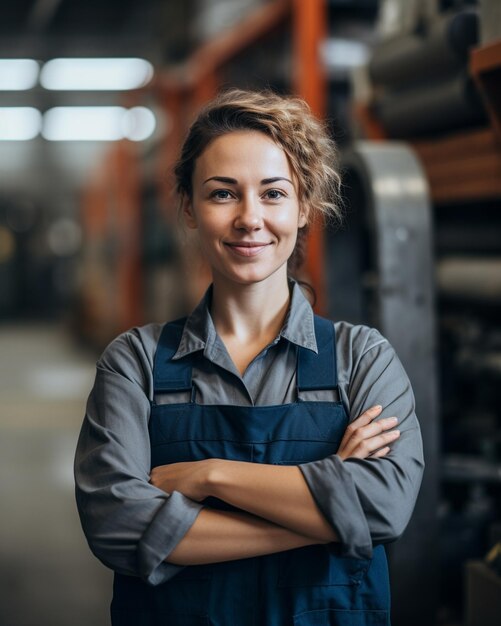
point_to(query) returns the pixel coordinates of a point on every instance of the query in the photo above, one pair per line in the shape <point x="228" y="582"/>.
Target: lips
<point x="247" y="248"/>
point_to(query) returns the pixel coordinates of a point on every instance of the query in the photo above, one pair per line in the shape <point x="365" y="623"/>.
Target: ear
<point x="187" y="211"/>
<point x="304" y="211"/>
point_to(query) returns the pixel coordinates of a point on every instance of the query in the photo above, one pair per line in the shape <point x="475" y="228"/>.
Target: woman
<point x="233" y="467"/>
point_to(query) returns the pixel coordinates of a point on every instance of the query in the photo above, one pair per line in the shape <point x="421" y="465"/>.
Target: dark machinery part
<point x="410" y="58"/>
<point x="421" y="79"/>
<point x="445" y="104"/>
<point x="381" y="266"/>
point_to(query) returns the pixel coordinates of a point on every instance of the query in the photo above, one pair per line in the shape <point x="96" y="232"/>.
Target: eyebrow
<point x="234" y="181"/>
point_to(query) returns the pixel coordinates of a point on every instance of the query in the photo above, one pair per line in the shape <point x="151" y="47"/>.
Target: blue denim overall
<point x="306" y="586"/>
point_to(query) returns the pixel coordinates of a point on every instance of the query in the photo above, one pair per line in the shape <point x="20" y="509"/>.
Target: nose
<point x="249" y="215"/>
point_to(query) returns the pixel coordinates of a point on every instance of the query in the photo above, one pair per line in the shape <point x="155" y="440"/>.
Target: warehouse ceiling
<point x="46" y="28"/>
<point x="60" y="17"/>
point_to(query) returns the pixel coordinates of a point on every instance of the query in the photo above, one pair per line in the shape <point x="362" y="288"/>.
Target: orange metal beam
<point x="173" y="105"/>
<point x="309" y="30"/>
<point x="204" y="90"/>
<point x="126" y="219"/>
<point x="309" y="81"/>
<point x="368" y="123"/>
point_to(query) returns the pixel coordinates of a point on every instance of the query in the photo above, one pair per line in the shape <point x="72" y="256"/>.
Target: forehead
<point x="242" y="154"/>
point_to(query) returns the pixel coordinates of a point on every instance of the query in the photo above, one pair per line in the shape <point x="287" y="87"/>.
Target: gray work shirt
<point x="132" y="526"/>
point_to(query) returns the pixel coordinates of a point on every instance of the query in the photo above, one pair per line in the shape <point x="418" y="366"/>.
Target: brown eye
<point x="274" y="194"/>
<point x="221" y="194"/>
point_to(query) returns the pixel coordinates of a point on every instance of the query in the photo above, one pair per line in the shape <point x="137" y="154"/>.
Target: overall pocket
<point x="319" y="566"/>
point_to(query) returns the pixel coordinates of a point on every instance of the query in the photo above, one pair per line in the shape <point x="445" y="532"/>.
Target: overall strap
<point x="318" y="371"/>
<point x="171" y="375"/>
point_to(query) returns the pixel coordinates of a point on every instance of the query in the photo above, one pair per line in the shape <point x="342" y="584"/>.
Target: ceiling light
<point x="18" y="74"/>
<point x="96" y="74"/>
<point x="98" y="123"/>
<point x="19" y="123"/>
<point x="83" y="124"/>
<point x="138" y="123"/>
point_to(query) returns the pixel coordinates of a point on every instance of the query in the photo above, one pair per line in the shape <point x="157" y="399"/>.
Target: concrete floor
<point x="48" y="577"/>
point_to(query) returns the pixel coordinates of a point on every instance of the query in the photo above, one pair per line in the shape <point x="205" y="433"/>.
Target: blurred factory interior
<point x="95" y="98"/>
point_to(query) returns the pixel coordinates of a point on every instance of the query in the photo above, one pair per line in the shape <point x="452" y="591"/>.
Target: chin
<point x="251" y="277"/>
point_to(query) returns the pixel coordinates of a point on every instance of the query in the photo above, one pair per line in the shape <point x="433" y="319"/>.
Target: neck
<point x="250" y="311"/>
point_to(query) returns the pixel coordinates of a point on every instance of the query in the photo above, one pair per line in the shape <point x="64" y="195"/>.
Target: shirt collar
<point x="299" y="325"/>
<point x="199" y="332"/>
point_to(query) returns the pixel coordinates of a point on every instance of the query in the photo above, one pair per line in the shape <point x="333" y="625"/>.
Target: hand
<point x="191" y="478"/>
<point x="367" y="438"/>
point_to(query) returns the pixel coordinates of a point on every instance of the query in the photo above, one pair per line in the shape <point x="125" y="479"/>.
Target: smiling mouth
<point x="247" y="248"/>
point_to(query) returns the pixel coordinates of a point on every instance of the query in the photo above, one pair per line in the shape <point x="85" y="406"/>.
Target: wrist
<point x="214" y="476"/>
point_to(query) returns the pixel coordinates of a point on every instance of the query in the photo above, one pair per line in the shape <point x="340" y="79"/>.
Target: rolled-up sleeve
<point x="370" y="501"/>
<point x="130" y="525"/>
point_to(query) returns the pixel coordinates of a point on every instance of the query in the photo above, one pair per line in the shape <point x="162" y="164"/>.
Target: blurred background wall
<point x="95" y="98"/>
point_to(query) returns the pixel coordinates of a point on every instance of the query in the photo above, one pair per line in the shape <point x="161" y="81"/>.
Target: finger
<point x="374" y="428"/>
<point x="367" y="446"/>
<point x="361" y="448"/>
<point x="370" y="430"/>
<point x="362" y="420"/>
<point x="368" y="415"/>
<point x="380" y="453"/>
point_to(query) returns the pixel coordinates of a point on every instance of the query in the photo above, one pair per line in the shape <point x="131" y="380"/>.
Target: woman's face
<point x="245" y="207"/>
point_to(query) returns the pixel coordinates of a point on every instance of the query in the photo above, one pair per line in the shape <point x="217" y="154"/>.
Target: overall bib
<point x="309" y="586"/>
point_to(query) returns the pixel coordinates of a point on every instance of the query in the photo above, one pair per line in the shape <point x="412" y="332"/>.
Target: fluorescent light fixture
<point x="344" y="54"/>
<point x="96" y="74"/>
<point x="83" y="124"/>
<point x="98" y="123"/>
<point x="19" y="123"/>
<point x="18" y="74"/>
<point x="138" y="123"/>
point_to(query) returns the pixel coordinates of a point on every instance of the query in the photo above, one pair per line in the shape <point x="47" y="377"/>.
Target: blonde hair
<point x="287" y="120"/>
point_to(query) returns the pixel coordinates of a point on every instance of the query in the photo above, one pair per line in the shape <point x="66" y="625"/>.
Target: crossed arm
<point x="277" y="509"/>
